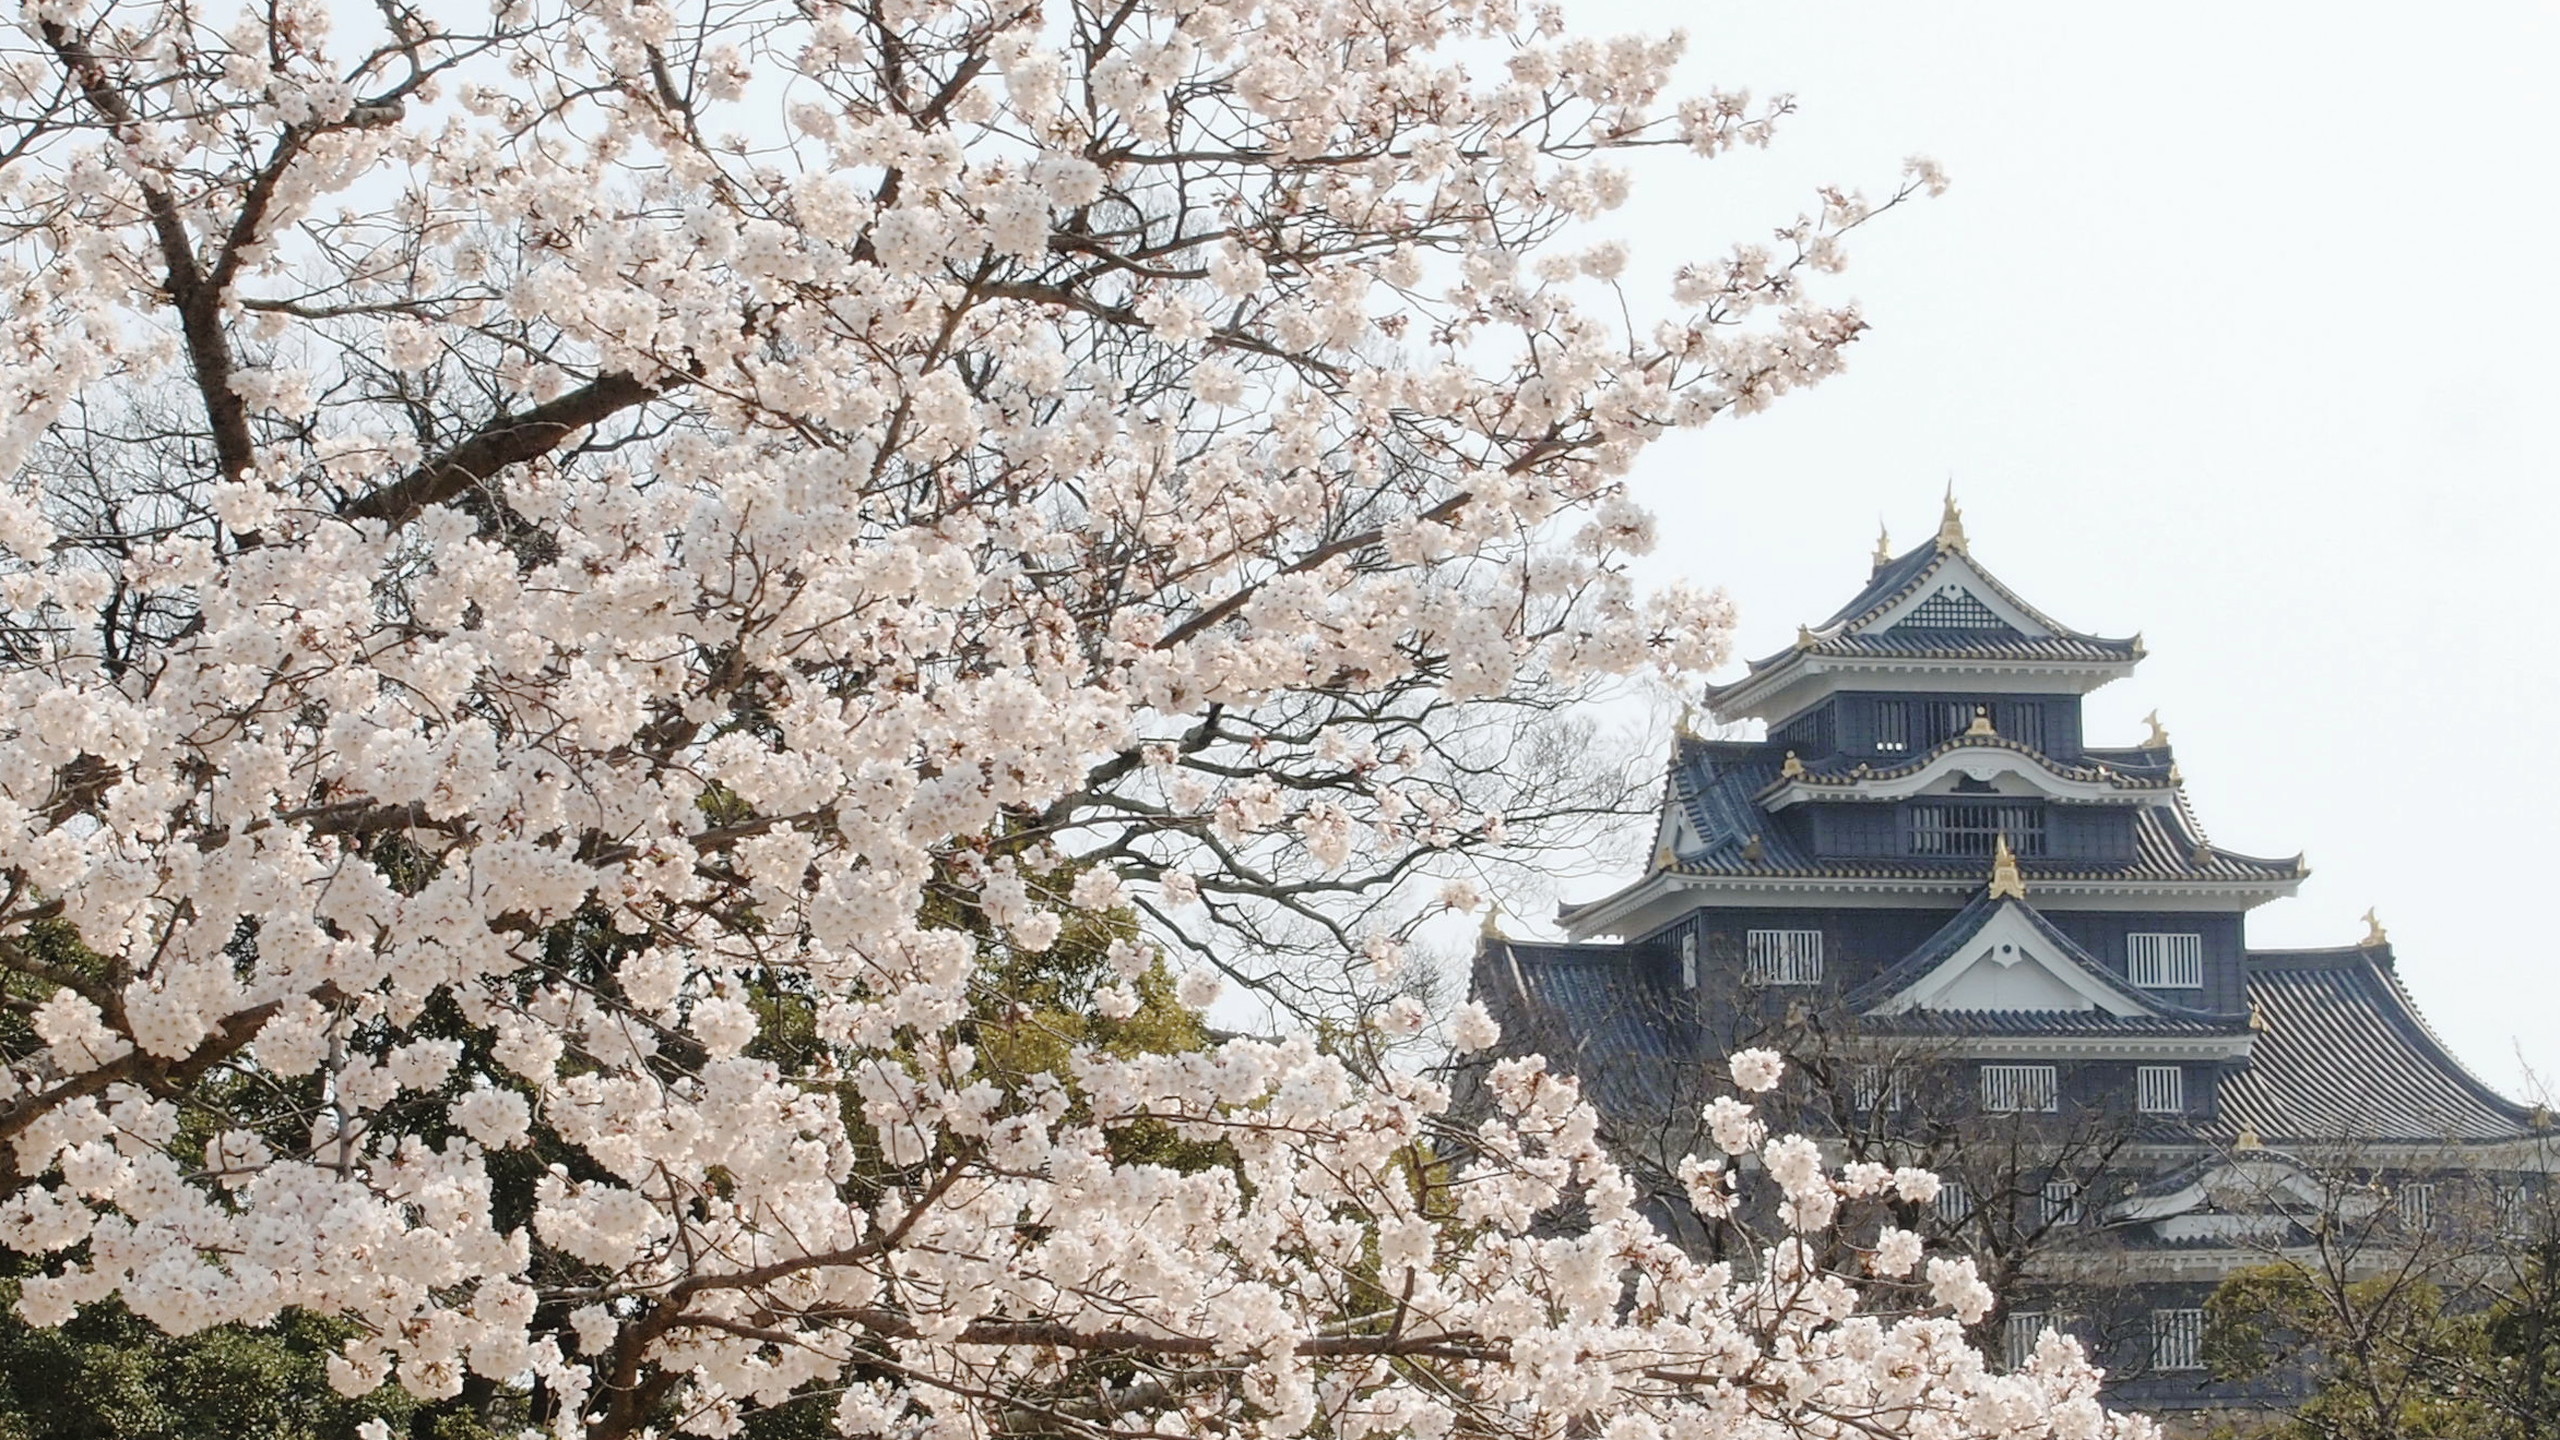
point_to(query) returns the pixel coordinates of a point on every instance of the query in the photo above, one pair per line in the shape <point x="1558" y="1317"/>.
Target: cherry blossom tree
<point x="575" y="576"/>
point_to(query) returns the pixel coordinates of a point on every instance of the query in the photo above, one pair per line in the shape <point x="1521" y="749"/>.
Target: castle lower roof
<point x="2343" y="1056"/>
<point x="1597" y="1012"/>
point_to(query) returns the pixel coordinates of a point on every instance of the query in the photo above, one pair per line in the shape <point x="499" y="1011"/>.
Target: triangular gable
<point x="2003" y="956"/>
<point x="1956" y="589"/>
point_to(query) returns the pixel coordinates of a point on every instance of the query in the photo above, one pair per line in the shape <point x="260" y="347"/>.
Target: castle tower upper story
<point x="1932" y="719"/>
<point x="1930" y="644"/>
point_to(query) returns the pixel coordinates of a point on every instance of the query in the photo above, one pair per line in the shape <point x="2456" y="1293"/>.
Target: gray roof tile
<point x="2342" y="1055"/>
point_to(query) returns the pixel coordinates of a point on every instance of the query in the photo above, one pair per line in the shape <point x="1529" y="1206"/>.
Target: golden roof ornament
<point x="1793" y="769"/>
<point x="2375" y="937"/>
<point x="1884" y="547"/>
<point x="1688" y="727"/>
<point x="1981" y="722"/>
<point x="2248" y="1139"/>
<point x="2159" y="739"/>
<point x="1951" y="522"/>
<point x="2006" y="882"/>
<point x="1662" y="856"/>
<point x="1752" y="851"/>
<point x="1805" y="638"/>
<point x="1492" y="927"/>
<point x="2257" y="1016"/>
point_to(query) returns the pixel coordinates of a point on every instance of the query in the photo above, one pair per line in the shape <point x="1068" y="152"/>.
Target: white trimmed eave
<point x="1804" y="679"/>
<point x="1664" y="896"/>
<point x="2257" y="1174"/>
<point x="1983" y="763"/>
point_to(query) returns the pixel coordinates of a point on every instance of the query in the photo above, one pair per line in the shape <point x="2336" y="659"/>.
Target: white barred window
<point x="2165" y="962"/>
<point x="1689" y="961"/>
<point x="1954" y="1206"/>
<point x="2160" y="1090"/>
<point x="1784" y="957"/>
<point x="2060" y="1202"/>
<point x="1879" y="1087"/>
<point x="2009" y="1088"/>
<point x="2515" y="1212"/>
<point x="2417" y="1204"/>
<point x="2021" y="1331"/>
<point x="2177" y="1339"/>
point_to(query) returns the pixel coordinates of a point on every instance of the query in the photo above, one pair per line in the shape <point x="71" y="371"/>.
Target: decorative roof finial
<point x="2257" y="1017"/>
<point x="2006" y="882"/>
<point x="1951" y="521"/>
<point x="1752" y="851"/>
<point x="1688" y="727"/>
<point x="1663" y="858"/>
<point x="1805" y="637"/>
<point x="1492" y="928"/>
<point x="2248" y="1139"/>
<point x="1981" y="722"/>
<point x="2159" y="738"/>
<point x="1793" y="769"/>
<point x="1884" y="547"/>
<point x="2375" y="937"/>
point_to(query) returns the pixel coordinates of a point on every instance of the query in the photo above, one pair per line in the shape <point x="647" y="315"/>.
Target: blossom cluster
<point x="571" y="580"/>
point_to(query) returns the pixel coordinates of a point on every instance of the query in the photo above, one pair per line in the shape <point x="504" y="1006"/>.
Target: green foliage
<point x="109" y="1376"/>
<point x="2382" y="1357"/>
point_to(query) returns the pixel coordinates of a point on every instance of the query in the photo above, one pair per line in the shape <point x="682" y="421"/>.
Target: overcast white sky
<point x="2232" y="331"/>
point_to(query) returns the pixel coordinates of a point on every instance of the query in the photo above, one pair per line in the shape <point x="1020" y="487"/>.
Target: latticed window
<point x="1952" y="608"/>
<point x="1893" y="726"/>
<point x="1954" y="1206"/>
<point x="2177" y="1339"/>
<point x="2010" y="1088"/>
<point x="1784" y="957"/>
<point x="1689" y="961"/>
<point x="1973" y="831"/>
<point x="2165" y="961"/>
<point x="2060" y="1202"/>
<point x="2417" y="1201"/>
<point x="2160" y="1089"/>
<point x="2021" y="1330"/>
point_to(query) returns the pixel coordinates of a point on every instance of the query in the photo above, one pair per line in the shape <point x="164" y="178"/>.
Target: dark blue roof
<point x="1890" y="582"/>
<point x="1715" y="782"/>
<point x="1968" y="922"/>
<point x="1603" y="1013"/>
<point x="1895" y="581"/>
<point x="2343" y="1056"/>
<point x="2339" y="1053"/>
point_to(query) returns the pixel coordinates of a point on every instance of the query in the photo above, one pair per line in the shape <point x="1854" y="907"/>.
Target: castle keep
<point x="1970" y="921"/>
